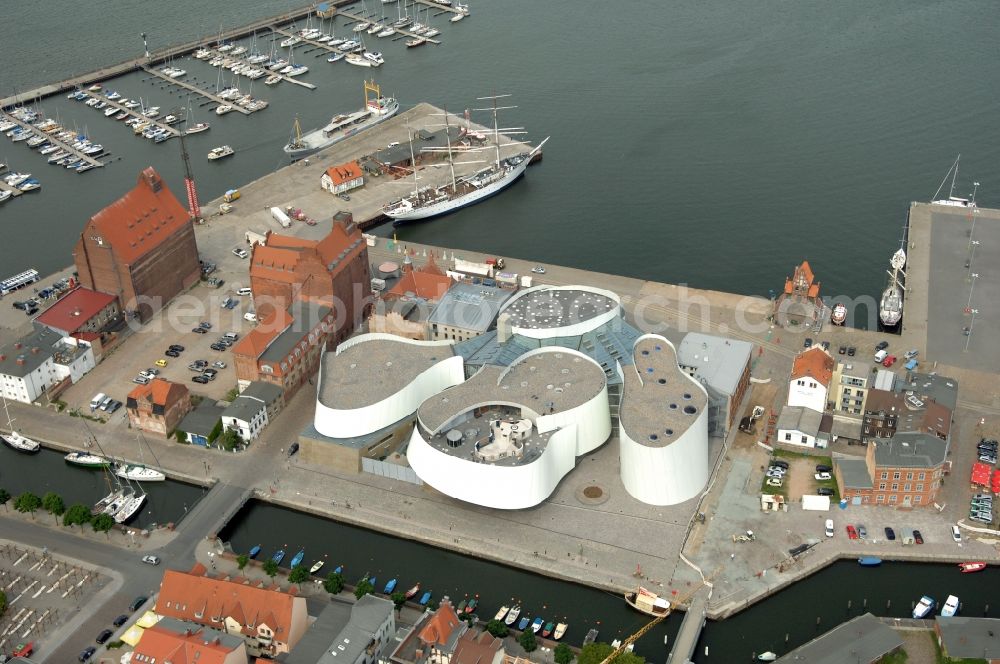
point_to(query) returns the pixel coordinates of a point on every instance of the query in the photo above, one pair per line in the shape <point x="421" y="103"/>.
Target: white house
<point x="33" y="364"/>
<point x="252" y="410"/>
<point x="809" y="384"/>
<point x="800" y="426"/>
<point x="342" y="178"/>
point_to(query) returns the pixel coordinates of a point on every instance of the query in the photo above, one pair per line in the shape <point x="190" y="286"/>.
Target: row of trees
<point x="75" y="515"/>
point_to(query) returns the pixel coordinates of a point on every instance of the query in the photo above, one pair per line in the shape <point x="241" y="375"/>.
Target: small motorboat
<point x="223" y="109"/>
<point x="339" y="569"/>
<point x="839" y="314"/>
<point x="317" y="566"/>
<point x="297" y="558"/>
<point x="968" y="568"/>
<point x="869" y="561"/>
<point x="547" y="630"/>
<point x="389" y="587"/>
<point x="278" y="555"/>
<point x="591" y="637"/>
<point x="502" y="613"/>
<point x="412" y="592"/>
<point x="220" y="152"/>
<point x="254" y="551"/>
<point x="460" y="609"/>
<point x="512" y="615"/>
<point x="471" y="606"/>
<point x="523" y="623"/>
<point x="537" y="624"/>
<point x="924" y="607"/>
<point x="766" y="657"/>
<point x="372" y="580"/>
<point x="560" y="631"/>
<point x="426" y="597"/>
<point x="951" y="606"/>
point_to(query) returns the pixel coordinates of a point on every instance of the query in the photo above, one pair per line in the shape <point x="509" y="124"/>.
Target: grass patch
<point x="772" y="490"/>
<point x="817" y="458"/>
<point x="898" y="657"/>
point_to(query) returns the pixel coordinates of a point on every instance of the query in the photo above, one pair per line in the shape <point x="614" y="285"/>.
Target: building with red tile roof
<point x="809" y="383"/>
<point x="403" y="309"/>
<point x="309" y="295"/>
<point x="177" y="642"/>
<point x="433" y="639"/>
<point x="141" y="248"/>
<point x="799" y="302"/>
<point x="79" y="311"/>
<point x="478" y="648"/>
<point x="342" y="178"/>
<point x="270" y="620"/>
<point x="158" y="407"/>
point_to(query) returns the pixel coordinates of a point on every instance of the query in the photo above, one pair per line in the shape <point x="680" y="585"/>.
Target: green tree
<point x="242" y="561"/>
<point x="399" y="599"/>
<point x="103" y="523"/>
<point x="497" y="628"/>
<point x="214" y="433"/>
<point x="563" y="654"/>
<point x="230" y="440"/>
<point x="4" y="497"/>
<point x="53" y="504"/>
<point x="299" y="574"/>
<point x="528" y="641"/>
<point x="3" y="603"/>
<point x="595" y="653"/>
<point x="270" y="568"/>
<point x="180" y="436"/>
<point x="363" y="588"/>
<point x="77" y="514"/>
<point x="334" y="583"/>
<point x="27" y="502"/>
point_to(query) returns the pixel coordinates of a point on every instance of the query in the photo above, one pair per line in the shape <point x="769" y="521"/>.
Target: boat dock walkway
<point x="443" y="8"/>
<point x="13" y="190"/>
<point x="137" y="112"/>
<point x="232" y="58"/>
<point x="399" y="31"/>
<point x="63" y="145"/>
<point x="194" y="88"/>
<point x="687" y="637"/>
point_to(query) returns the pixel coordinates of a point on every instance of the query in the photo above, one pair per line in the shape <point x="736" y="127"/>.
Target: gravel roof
<point x="551" y="308"/>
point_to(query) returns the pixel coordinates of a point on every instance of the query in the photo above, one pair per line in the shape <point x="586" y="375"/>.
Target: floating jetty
<point x="63" y="145"/>
<point x="399" y="31"/>
<point x="137" y="113"/>
<point x="229" y="59"/>
<point x="195" y="89"/>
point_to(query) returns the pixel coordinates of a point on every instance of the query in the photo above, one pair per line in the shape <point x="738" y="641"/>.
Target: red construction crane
<point x="194" y="209"/>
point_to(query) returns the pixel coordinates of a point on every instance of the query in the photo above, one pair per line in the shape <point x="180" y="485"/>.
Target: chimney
<point x="20" y="361"/>
<point x="503" y="328"/>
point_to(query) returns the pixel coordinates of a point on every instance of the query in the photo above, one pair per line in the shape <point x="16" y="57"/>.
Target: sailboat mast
<point x="496" y="130"/>
<point x="451" y="161"/>
<point x="413" y="161"/>
<point x="954" y="174"/>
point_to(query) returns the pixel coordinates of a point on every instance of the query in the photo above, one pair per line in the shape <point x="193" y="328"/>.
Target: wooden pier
<point x="194" y="88"/>
<point x="444" y="9"/>
<point x="233" y="58"/>
<point x="137" y="113"/>
<point x="399" y="31"/>
<point x="53" y="140"/>
<point x="6" y="187"/>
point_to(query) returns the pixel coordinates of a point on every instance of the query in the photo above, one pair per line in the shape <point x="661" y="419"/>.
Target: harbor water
<point x="715" y="144"/>
<point x="167" y="502"/>
<point x="802" y="611"/>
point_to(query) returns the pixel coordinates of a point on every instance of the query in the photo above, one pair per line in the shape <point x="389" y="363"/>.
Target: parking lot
<point x="174" y="326"/>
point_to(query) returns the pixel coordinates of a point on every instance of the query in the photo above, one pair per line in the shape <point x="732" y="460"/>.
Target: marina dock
<point x="228" y="59"/>
<point x="55" y="141"/>
<point x="137" y="113"/>
<point x="195" y="89"/>
<point x="13" y="190"/>
<point x="399" y="31"/>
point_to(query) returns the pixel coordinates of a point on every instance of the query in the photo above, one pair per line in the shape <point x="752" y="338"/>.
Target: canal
<point x="782" y="622"/>
<point x="46" y="471"/>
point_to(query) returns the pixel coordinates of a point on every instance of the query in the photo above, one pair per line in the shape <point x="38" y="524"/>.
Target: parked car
<point x="172" y="353"/>
<point x="823" y="477"/>
<point x="87" y="653"/>
<point x="774" y="481"/>
<point x="120" y="620"/>
<point x="141" y="380"/>
<point x="241" y="252"/>
<point x="199" y="379"/>
<point x="882" y="345"/>
<point x="824" y="491"/>
<point x="231" y="335"/>
<point x="151" y="560"/>
<point x="823" y="468"/>
<point x="842" y="350"/>
<point x="829" y="527"/>
<point x="862" y="531"/>
<point x="161" y="362"/>
<point x="137" y="602"/>
<point x="779" y="463"/>
<point x="825" y="345"/>
<point x="956" y="534"/>
<point x="808" y="342"/>
<point x="199" y="330"/>
<point x="226" y="302"/>
<point x="217" y="346"/>
<point x="177" y="347"/>
<point x="244" y="291"/>
<point x="210" y="372"/>
<point x="219" y="364"/>
<point x="103" y="637"/>
<point x="851" y="351"/>
<point x="205" y="325"/>
<point x="912" y="353"/>
<point x="852" y="532"/>
<point x="775" y="473"/>
<point x="250" y="316"/>
<point x="890" y="534"/>
<point x="293" y="448"/>
<point x="889" y="361"/>
<point x="115" y="405"/>
<point x="538" y="269"/>
<point x="917" y="537"/>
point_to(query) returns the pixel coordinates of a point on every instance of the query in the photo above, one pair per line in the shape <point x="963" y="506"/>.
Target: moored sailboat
<point x="86" y="460"/>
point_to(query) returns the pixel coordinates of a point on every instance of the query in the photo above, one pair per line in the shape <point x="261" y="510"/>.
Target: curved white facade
<point x="571" y="432"/>
<point x="567" y="327"/>
<point x="367" y="418"/>
<point x="673" y="468"/>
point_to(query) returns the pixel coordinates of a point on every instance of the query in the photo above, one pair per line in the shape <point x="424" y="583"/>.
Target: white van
<point x="97" y="401"/>
<point x="250" y="316"/>
<point x="244" y="291"/>
<point x="881" y="355"/>
<point x="829" y="527"/>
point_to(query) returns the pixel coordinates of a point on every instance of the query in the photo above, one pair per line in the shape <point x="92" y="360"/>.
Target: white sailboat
<point x="138" y="472"/>
<point x="952" y="200"/>
<point x="15" y="440"/>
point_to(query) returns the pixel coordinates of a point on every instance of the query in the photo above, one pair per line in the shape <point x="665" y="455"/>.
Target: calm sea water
<point x="713" y="143"/>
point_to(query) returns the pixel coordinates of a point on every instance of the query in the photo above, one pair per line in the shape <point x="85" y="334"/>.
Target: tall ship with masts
<point x="429" y="202"/>
<point x="376" y="109"/>
<point x="890" y="310"/>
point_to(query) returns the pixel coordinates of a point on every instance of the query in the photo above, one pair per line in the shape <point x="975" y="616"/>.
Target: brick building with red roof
<point x="141" y="248"/>
<point x="270" y="620"/>
<point x="342" y="178"/>
<point x="158" y="407"/>
<point x="79" y="311"/>
<point x="309" y="295"/>
<point x="177" y="642"/>
<point x="403" y="309"/>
